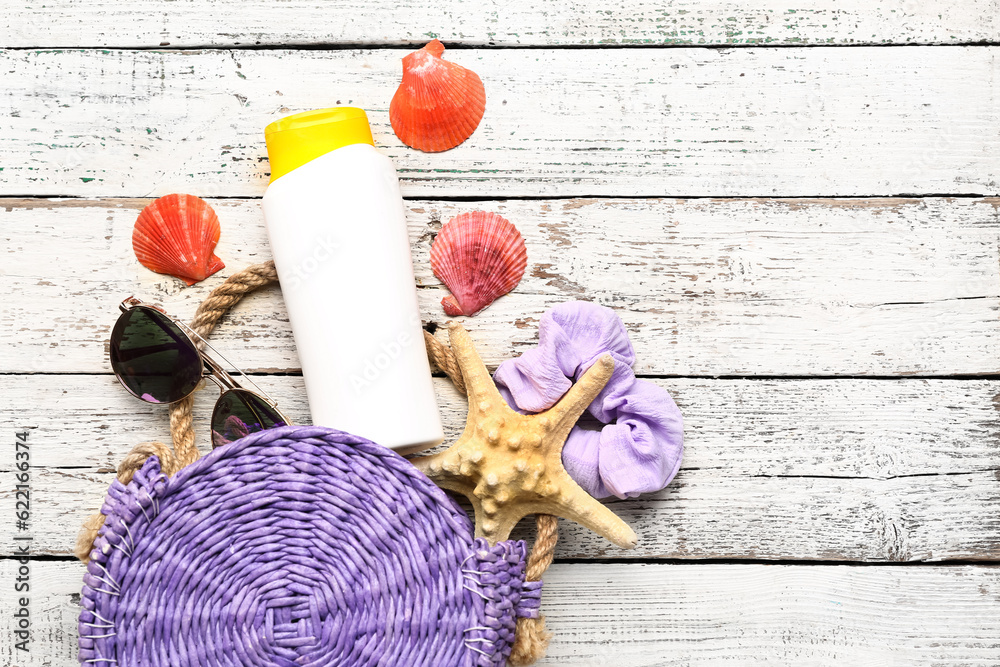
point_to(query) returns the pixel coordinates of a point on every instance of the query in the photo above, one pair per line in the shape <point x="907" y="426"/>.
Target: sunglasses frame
<point x="216" y="373"/>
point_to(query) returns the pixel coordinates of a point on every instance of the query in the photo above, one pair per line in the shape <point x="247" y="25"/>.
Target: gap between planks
<point x="680" y="562"/>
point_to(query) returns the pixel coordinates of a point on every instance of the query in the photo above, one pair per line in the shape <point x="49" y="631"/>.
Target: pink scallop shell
<point x="480" y="257"/>
<point x="176" y="235"/>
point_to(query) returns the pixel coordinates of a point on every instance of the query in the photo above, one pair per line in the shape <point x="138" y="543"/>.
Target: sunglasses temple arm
<point x="218" y="370"/>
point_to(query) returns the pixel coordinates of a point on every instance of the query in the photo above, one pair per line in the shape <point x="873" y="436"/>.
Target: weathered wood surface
<point x="848" y="470"/>
<point x="592" y="22"/>
<point x="620" y="122"/>
<point x="706" y="287"/>
<point x="680" y="614"/>
<point x="876" y="470"/>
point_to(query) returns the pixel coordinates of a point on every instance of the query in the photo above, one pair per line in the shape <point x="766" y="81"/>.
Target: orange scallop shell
<point x="176" y="235"/>
<point x="480" y="257"/>
<point x="439" y="104"/>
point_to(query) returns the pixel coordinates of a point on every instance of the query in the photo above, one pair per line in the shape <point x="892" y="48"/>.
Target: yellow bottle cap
<point x="295" y="140"/>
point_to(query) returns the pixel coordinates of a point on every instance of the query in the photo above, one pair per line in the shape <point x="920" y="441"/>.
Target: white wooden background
<point x="793" y="206"/>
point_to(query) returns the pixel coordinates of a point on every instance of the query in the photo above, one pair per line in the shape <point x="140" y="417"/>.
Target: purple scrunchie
<point x="639" y="450"/>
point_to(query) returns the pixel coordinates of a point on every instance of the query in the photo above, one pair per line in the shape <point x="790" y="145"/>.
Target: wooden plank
<point x="706" y="287"/>
<point x="682" y="122"/>
<point x="874" y="429"/>
<point x="669" y="614"/>
<point x="874" y="470"/>
<point x="54" y="607"/>
<point x="590" y="22"/>
<point x="760" y="615"/>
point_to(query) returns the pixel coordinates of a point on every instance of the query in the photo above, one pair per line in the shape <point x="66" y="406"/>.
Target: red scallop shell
<point x="176" y="235"/>
<point x="480" y="257"/>
<point x="439" y="104"/>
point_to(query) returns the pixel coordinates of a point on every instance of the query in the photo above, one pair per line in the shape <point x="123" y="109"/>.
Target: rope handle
<point x="531" y="639"/>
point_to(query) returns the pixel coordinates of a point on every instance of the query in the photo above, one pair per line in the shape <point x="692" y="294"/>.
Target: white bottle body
<point x="338" y="236"/>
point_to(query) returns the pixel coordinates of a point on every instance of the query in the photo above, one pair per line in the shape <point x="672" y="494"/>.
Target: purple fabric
<point x="297" y="546"/>
<point x="639" y="450"/>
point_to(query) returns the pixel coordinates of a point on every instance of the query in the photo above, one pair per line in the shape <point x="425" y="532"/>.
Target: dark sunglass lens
<point x="153" y="358"/>
<point x="240" y="412"/>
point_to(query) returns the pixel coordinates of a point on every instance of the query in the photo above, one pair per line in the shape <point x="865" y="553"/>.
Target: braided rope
<point x="442" y="358"/>
<point x="531" y="640"/>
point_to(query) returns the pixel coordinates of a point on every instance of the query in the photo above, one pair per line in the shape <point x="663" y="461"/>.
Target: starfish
<point x="510" y="465"/>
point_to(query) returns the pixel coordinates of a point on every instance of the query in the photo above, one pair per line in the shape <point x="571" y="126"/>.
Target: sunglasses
<point x="157" y="362"/>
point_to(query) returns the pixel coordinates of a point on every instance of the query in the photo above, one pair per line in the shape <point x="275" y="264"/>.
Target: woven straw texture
<point x="291" y="547"/>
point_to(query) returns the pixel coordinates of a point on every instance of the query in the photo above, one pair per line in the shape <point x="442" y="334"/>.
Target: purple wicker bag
<point x="291" y="547"/>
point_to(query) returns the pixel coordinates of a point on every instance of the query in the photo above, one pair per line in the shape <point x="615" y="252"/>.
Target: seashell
<point x="439" y="104"/>
<point x="480" y="257"/>
<point x="176" y="235"/>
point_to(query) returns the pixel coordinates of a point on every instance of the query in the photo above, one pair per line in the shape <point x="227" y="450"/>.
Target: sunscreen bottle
<point x="338" y="235"/>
